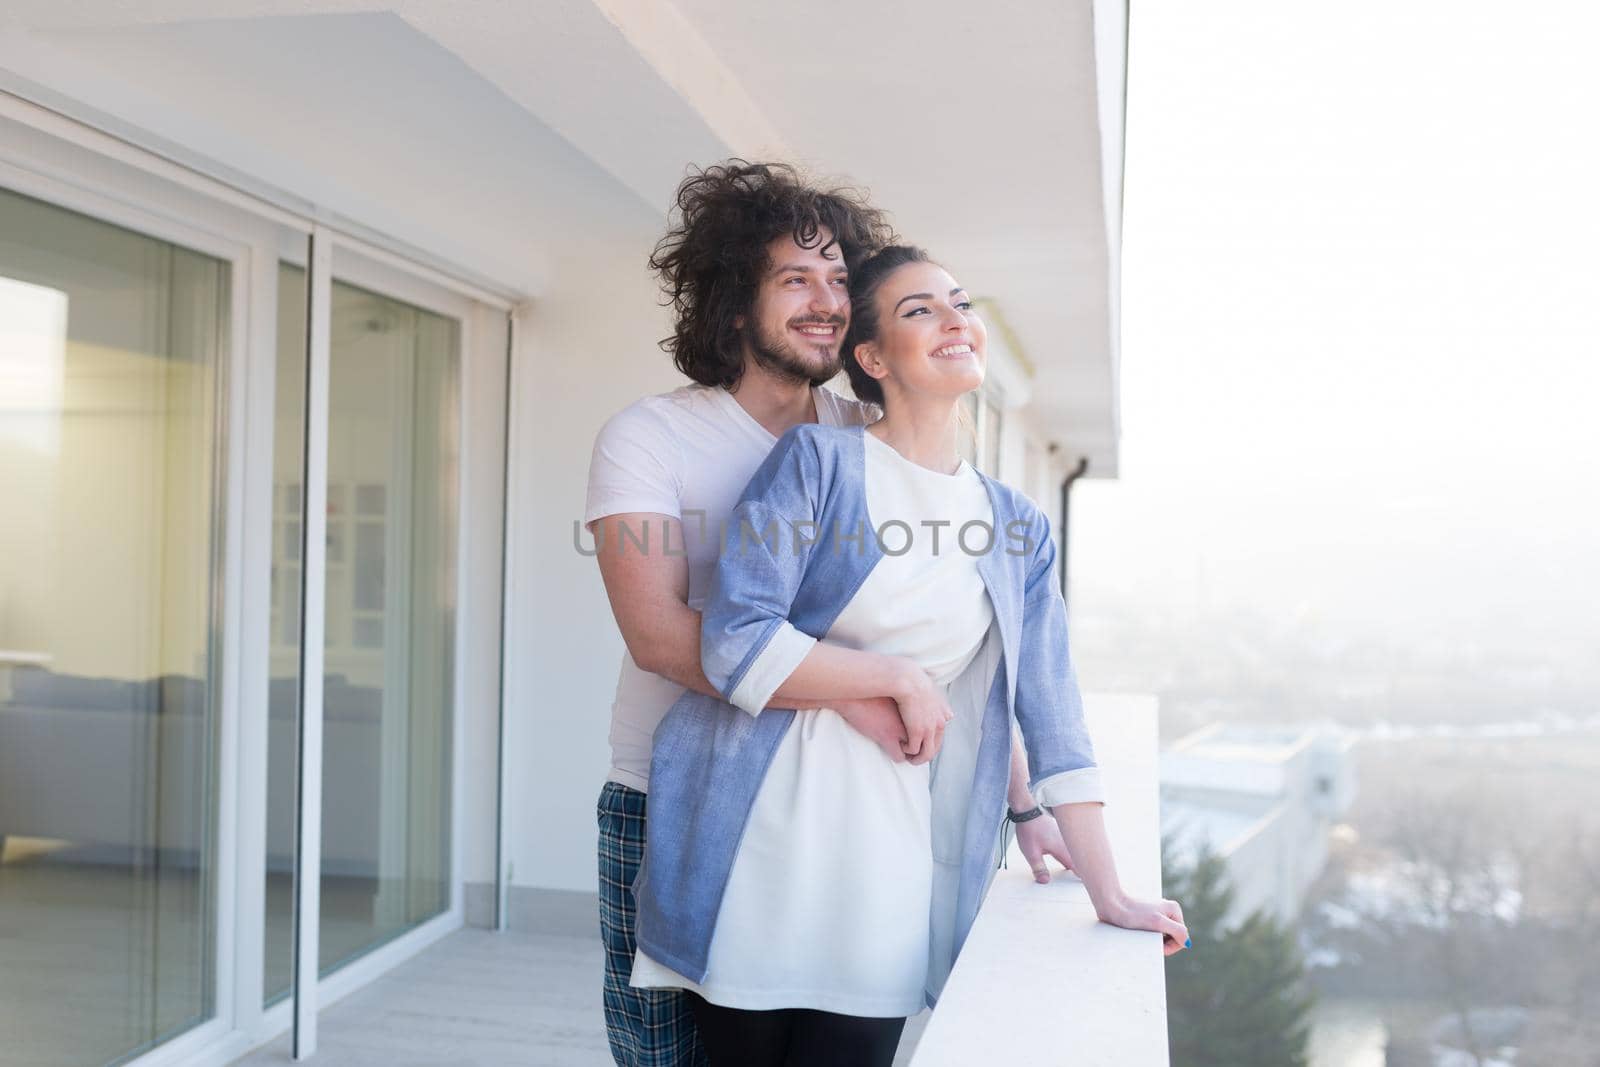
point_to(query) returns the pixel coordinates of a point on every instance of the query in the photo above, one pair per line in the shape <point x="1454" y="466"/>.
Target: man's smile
<point x="818" y="331"/>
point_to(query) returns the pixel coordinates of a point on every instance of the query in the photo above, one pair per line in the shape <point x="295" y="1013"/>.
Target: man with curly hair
<point x="756" y="271"/>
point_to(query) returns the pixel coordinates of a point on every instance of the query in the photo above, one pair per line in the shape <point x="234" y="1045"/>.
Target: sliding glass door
<point x="113" y="350"/>
<point x="389" y="675"/>
<point x="388" y="703"/>
<point x="156" y="344"/>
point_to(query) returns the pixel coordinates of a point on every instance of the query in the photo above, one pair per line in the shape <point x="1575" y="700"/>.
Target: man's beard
<point x="778" y="357"/>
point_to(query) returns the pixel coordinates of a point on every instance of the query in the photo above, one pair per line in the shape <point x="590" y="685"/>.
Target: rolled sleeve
<point x="771" y="668"/>
<point x="1082" y="786"/>
<point x="1049" y="707"/>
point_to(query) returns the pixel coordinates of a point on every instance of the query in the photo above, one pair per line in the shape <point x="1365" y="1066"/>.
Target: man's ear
<point x="738" y="322"/>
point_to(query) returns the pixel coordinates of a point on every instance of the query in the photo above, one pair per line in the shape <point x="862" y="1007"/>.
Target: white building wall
<point x="1256" y="800"/>
<point x="584" y="352"/>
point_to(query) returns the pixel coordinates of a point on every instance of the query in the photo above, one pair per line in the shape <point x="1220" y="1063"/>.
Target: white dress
<point x="840" y="873"/>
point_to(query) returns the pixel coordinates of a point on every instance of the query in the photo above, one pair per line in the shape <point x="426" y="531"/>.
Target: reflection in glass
<point x="390" y="618"/>
<point x="112" y="346"/>
<point x="388" y="703"/>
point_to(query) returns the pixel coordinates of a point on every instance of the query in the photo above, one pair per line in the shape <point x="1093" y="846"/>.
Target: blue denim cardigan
<point x="797" y="547"/>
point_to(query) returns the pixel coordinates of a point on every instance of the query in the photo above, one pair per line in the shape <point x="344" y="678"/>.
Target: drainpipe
<point x="1066" y="498"/>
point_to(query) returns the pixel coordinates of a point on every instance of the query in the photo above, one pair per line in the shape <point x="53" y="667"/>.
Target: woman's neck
<point x="924" y="430"/>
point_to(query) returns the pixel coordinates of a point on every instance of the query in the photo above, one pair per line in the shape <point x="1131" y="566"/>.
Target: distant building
<point x="1264" y="799"/>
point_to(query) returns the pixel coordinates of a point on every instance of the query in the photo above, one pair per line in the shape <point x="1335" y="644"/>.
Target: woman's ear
<point x="867" y="355"/>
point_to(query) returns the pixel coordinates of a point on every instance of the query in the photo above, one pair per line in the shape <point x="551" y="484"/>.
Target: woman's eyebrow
<point x="912" y="296"/>
<point x="923" y="296"/>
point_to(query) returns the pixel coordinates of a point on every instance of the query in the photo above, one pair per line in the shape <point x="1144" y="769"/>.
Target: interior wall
<point x="111" y="479"/>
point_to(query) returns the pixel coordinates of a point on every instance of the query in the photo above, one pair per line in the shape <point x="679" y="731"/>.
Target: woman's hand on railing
<point x="1083" y="827"/>
<point x="1165" y="917"/>
<point x="1038" y="838"/>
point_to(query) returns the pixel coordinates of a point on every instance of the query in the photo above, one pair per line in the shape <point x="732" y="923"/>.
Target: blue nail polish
<point x="1186" y="943"/>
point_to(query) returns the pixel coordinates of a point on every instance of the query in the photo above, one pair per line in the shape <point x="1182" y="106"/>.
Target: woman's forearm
<point x="1083" y="827"/>
<point x="834" y="672"/>
<point x="1018" y="798"/>
<point x="847" y="676"/>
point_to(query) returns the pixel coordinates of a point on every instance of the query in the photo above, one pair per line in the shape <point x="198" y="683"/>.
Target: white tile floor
<point x="95" y="960"/>
<point x="474" y="999"/>
<point x="99" y="959"/>
<point x="478" y="999"/>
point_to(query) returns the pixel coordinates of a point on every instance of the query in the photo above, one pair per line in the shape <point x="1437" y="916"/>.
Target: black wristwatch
<point x="1024" y="816"/>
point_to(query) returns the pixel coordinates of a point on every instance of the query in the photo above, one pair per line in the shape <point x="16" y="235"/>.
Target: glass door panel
<point x="388" y="683"/>
<point x="388" y="705"/>
<point x="112" y="348"/>
<point x="388" y="696"/>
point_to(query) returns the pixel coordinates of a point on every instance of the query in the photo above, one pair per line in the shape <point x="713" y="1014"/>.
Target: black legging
<point x="794" y="1037"/>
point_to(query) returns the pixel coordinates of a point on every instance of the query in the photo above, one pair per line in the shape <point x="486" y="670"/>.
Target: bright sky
<point x="1361" y="319"/>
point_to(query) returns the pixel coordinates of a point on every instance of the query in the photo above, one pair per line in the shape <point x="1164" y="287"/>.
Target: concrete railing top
<point x="1041" y="980"/>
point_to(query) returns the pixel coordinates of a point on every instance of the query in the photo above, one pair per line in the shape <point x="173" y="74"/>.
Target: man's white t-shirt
<point x="687" y="454"/>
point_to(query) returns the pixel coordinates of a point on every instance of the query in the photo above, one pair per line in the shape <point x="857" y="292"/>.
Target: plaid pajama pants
<point x="646" y="1027"/>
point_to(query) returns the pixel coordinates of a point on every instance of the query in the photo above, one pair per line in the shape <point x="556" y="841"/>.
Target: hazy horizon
<point x="1360" y="323"/>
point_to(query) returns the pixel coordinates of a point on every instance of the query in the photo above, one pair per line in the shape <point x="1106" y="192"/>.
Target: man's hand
<point x="878" y="720"/>
<point x="923" y="712"/>
<point x="1038" y="838"/>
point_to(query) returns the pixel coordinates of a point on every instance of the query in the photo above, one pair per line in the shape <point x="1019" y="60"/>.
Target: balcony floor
<point x="479" y="999"/>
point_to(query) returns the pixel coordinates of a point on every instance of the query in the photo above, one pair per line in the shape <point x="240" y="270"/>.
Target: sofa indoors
<point x="120" y="770"/>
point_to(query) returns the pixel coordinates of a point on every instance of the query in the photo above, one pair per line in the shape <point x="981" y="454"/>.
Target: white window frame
<point x="990" y="429"/>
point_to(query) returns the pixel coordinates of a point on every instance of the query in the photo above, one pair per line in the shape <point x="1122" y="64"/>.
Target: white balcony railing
<point x="1040" y="977"/>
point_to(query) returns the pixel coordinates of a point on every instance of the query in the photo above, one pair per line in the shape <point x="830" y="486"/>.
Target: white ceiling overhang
<point x="992" y="135"/>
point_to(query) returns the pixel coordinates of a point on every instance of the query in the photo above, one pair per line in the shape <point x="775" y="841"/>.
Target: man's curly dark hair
<point x="713" y="260"/>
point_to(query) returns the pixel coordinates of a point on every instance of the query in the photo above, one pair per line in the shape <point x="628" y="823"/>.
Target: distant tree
<point x="1559" y="1040"/>
<point x="1565" y="890"/>
<point x="1481" y="903"/>
<point x="1463" y="866"/>
<point x="1239" y="997"/>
